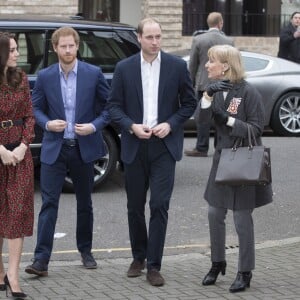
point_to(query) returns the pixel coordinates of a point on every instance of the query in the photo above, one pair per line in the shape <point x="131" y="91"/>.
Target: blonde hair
<point x="226" y="54"/>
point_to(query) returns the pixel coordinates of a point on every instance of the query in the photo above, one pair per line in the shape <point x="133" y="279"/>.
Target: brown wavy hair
<point x="13" y="75"/>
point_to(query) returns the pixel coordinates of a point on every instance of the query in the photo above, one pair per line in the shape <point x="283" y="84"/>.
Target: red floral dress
<point x="17" y="182"/>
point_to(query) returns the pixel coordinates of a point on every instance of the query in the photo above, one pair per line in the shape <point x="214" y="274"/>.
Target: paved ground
<point x="276" y="276"/>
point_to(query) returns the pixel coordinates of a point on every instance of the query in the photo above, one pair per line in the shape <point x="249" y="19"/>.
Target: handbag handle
<point x="251" y="139"/>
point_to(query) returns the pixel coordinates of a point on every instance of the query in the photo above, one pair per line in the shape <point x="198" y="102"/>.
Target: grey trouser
<point x="244" y="227"/>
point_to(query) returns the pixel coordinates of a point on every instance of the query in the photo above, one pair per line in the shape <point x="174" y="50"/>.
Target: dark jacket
<point x="176" y="102"/>
<point x="245" y="104"/>
<point x="91" y="97"/>
<point x="289" y="47"/>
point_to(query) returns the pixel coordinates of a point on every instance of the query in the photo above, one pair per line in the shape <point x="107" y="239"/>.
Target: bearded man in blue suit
<point x="151" y="98"/>
<point x="69" y="98"/>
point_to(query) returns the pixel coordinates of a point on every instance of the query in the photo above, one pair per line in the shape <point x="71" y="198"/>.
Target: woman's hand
<point x="221" y="117"/>
<point x="7" y="157"/>
<point x="19" y="152"/>
<point x="223" y="85"/>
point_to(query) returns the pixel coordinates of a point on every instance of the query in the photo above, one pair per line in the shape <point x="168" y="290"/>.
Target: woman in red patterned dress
<point x="16" y="166"/>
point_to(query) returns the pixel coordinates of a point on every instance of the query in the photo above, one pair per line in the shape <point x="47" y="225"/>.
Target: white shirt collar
<point x="158" y="58"/>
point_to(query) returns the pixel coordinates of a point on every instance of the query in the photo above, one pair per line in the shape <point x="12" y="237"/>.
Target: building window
<point x="241" y="17"/>
<point x="102" y="10"/>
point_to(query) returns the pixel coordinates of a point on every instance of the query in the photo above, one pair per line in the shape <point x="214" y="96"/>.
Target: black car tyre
<point x="286" y="115"/>
<point x="103" y="167"/>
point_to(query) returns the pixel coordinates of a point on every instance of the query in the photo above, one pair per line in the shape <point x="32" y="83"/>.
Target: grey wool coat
<point x="244" y="103"/>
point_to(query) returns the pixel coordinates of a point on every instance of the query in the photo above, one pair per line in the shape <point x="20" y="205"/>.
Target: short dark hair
<point x="294" y="13"/>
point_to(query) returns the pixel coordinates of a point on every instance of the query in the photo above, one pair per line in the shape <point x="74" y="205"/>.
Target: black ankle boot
<point x="241" y="281"/>
<point x="213" y="273"/>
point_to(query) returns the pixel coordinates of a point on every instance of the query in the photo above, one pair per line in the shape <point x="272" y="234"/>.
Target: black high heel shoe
<point x="19" y="295"/>
<point x="241" y="282"/>
<point x="211" y="277"/>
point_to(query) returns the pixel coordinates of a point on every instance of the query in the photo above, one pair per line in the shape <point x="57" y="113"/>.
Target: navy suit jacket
<point x="91" y="97"/>
<point x="176" y="102"/>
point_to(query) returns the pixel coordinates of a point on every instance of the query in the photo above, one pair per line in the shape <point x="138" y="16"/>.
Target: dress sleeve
<point x="27" y="112"/>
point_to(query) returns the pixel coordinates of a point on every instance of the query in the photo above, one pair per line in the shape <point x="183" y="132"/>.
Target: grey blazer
<point x="244" y="103"/>
<point x="198" y="56"/>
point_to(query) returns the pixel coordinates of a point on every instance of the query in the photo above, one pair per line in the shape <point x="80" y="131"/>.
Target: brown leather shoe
<point x="136" y="268"/>
<point x="195" y="153"/>
<point x="154" y="278"/>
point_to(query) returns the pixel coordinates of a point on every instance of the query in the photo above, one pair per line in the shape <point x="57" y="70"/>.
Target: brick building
<point x="173" y="15"/>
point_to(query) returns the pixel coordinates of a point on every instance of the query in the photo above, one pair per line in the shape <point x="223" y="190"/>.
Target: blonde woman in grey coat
<point x="233" y="104"/>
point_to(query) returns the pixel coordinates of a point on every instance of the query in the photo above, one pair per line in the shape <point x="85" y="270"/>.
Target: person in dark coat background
<point x="233" y="104"/>
<point x="289" y="42"/>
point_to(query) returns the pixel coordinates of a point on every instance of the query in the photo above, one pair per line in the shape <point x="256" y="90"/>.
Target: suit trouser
<point x="52" y="180"/>
<point x="245" y="230"/>
<point x="154" y="168"/>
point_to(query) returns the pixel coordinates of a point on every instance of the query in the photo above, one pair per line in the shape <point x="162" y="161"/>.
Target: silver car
<point x="278" y="81"/>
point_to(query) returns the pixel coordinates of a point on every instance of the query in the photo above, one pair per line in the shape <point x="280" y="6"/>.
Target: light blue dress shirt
<point x="68" y="91"/>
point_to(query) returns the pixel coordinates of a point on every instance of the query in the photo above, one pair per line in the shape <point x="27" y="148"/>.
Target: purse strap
<point x="251" y="139"/>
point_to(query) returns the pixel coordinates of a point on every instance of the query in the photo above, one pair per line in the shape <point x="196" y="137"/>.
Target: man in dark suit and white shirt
<point x="151" y="98"/>
<point x="198" y="58"/>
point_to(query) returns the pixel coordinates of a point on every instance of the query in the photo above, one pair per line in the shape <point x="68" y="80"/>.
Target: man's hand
<point x="218" y="86"/>
<point x="56" y="125"/>
<point x="161" y="130"/>
<point x="84" y="129"/>
<point x="141" y="131"/>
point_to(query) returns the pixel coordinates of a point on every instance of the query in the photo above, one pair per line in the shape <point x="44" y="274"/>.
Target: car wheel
<point x="286" y="115"/>
<point x="103" y="167"/>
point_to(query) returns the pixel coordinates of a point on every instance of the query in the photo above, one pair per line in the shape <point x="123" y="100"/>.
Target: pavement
<point x="276" y="276"/>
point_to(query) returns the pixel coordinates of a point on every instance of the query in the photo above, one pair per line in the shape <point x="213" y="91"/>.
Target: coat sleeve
<point x="116" y="105"/>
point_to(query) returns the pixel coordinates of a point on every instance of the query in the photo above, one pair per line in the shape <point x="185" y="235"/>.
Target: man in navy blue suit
<point x="69" y="98"/>
<point x="151" y="98"/>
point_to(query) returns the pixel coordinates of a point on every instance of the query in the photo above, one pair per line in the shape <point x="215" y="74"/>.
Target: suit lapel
<point x="137" y="78"/>
<point x="231" y="94"/>
<point x="55" y="81"/>
<point x="162" y="78"/>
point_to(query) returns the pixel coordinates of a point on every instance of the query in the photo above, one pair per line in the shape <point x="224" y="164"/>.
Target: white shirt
<point x="150" y="81"/>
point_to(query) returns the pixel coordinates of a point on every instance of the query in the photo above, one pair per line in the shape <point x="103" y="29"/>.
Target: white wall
<point x="130" y="11"/>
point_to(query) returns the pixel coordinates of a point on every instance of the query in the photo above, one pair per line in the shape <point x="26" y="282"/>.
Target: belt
<point x="70" y="142"/>
<point x="10" y="123"/>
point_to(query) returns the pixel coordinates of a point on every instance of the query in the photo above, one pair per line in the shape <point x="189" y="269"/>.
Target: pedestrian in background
<point x="198" y="58"/>
<point x="16" y="165"/>
<point x="289" y="40"/>
<point x="234" y="105"/>
<point x="68" y="99"/>
<point x="151" y="98"/>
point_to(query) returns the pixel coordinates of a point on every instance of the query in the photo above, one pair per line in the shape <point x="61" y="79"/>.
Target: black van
<point x="101" y="43"/>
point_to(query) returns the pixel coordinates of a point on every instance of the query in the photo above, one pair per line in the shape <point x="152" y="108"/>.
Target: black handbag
<point x="249" y="165"/>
